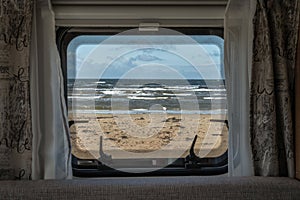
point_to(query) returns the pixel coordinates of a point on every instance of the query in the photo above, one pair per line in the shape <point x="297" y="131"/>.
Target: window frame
<point x="93" y="167"/>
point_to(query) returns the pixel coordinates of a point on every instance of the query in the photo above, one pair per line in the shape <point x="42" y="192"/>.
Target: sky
<point x="198" y="60"/>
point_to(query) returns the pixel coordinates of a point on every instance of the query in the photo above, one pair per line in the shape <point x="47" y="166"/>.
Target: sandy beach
<point x="148" y="135"/>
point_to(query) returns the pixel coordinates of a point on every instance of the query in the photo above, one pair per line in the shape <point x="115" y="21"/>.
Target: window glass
<point x="146" y="96"/>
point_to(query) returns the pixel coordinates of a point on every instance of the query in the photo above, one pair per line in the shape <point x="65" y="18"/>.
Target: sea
<point x="134" y="96"/>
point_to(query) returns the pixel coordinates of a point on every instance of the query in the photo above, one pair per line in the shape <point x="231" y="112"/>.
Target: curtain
<point x="34" y="137"/>
<point x="272" y="87"/>
<point x="238" y="54"/>
<point x="51" y="142"/>
<point x="15" y="113"/>
<point x="297" y="107"/>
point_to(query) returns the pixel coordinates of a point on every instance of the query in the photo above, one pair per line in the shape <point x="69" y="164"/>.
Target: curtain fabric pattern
<point x="15" y="113"/>
<point x="297" y="106"/>
<point x="272" y="87"/>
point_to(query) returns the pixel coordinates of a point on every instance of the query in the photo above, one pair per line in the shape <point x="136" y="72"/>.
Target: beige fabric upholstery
<point x="154" y="188"/>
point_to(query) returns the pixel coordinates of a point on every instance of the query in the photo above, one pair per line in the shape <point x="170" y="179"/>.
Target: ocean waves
<point x="133" y="96"/>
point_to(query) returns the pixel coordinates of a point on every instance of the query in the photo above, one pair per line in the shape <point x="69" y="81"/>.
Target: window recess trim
<point x="93" y="167"/>
<point x="139" y="2"/>
<point x="88" y="15"/>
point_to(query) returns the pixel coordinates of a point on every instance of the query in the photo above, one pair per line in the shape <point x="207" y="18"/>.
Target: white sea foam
<point x="143" y="111"/>
<point x="146" y="98"/>
<point x="214" y="98"/>
<point x="84" y="97"/>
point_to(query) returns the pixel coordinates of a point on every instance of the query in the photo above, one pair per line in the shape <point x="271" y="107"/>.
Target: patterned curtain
<point x="297" y="107"/>
<point x="272" y="87"/>
<point x="15" y="115"/>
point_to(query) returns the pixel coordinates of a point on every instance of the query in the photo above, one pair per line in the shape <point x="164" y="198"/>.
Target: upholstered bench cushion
<point x="163" y="188"/>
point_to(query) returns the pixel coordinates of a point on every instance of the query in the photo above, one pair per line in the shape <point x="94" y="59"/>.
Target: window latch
<point x="192" y="160"/>
<point x="104" y="158"/>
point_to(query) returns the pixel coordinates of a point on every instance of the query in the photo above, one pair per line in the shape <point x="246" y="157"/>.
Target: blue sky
<point x="150" y="62"/>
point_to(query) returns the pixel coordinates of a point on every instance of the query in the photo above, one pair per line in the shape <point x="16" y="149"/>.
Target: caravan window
<point x="146" y="101"/>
